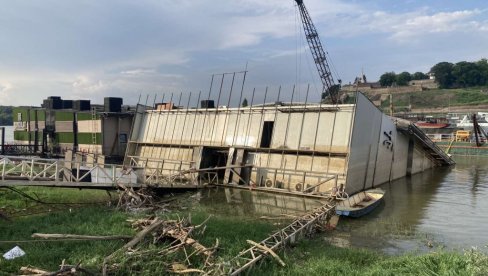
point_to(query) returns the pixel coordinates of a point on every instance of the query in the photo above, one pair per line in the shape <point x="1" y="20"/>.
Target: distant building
<point x="426" y="84"/>
<point x="60" y="125"/>
<point x="360" y="84"/>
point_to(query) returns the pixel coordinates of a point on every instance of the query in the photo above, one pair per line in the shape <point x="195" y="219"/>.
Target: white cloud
<point x="404" y="27"/>
<point x="138" y="71"/>
<point x="154" y="45"/>
<point x="88" y="85"/>
<point x="442" y="22"/>
<point x="5" y="92"/>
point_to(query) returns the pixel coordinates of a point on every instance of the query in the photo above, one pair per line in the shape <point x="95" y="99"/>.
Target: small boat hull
<point x="431" y="125"/>
<point x="360" y="204"/>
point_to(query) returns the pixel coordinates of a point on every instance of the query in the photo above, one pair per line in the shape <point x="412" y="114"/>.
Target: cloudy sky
<point x="91" y="49"/>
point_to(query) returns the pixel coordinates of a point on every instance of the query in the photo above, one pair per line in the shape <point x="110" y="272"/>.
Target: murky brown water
<point x="443" y="207"/>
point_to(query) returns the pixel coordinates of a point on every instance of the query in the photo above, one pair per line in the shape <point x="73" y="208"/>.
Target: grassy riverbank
<point x="309" y="257"/>
<point x="437" y="98"/>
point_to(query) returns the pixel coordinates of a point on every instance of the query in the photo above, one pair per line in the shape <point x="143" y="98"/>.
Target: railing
<point x="38" y="169"/>
<point x="18" y="149"/>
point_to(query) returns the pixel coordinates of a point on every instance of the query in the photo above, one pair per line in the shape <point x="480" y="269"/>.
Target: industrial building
<point x="60" y="125"/>
<point x="295" y="147"/>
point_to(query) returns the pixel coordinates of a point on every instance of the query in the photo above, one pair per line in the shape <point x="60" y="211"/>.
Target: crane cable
<point x="299" y="45"/>
<point x="298" y="33"/>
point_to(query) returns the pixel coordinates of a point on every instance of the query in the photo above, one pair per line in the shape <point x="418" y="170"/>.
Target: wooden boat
<point x="431" y="125"/>
<point x="360" y="204"/>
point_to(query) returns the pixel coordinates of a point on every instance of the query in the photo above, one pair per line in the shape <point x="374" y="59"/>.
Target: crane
<point x="329" y="89"/>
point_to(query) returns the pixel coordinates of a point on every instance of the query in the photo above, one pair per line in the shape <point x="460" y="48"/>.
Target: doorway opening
<point x="213" y="158"/>
<point x="267" y="134"/>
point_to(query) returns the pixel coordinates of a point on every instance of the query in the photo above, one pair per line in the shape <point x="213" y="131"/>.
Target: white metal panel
<point x="364" y="145"/>
<point x="400" y="156"/>
<point x="383" y="171"/>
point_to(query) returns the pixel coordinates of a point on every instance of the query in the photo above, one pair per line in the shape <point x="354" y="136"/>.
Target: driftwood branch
<point x="154" y="224"/>
<point x="33" y="270"/>
<point x="186" y="271"/>
<point x="83" y="237"/>
<point x="138" y="237"/>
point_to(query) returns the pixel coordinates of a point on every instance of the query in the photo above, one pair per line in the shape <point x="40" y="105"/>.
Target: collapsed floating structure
<point x="296" y="147"/>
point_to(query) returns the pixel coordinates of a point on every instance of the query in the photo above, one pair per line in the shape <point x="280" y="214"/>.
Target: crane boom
<point x="329" y="88"/>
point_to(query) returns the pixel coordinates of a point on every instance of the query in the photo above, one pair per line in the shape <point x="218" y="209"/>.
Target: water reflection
<point x="255" y="204"/>
<point x="442" y="207"/>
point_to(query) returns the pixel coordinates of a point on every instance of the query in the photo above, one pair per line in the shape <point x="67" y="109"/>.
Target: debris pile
<point x="131" y="199"/>
<point x="171" y="240"/>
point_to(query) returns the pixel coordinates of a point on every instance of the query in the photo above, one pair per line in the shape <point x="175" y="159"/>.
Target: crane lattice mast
<point x="329" y="90"/>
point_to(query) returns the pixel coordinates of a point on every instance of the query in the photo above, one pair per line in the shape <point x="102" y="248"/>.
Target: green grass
<point x="439" y="98"/>
<point x="73" y="216"/>
<point x="309" y="257"/>
<point x="317" y="257"/>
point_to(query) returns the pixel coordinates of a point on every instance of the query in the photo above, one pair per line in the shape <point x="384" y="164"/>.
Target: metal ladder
<point x="290" y="233"/>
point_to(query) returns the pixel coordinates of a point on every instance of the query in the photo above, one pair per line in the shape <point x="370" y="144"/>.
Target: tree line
<point x="461" y="74"/>
<point x="402" y="79"/>
<point x="6" y="116"/>
<point x="447" y="75"/>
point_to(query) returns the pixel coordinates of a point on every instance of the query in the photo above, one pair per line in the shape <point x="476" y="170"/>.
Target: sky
<point x="149" y="49"/>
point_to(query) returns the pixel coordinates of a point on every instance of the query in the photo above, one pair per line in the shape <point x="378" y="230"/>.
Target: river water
<point x="9" y="134"/>
<point x="439" y="208"/>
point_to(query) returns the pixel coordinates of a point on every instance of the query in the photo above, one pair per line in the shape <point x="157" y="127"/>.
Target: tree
<point x="244" y="103"/>
<point x="465" y="74"/>
<point x="483" y="68"/>
<point x="387" y="79"/>
<point x="419" y="76"/>
<point x="443" y="74"/>
<point x="403" y="78"/>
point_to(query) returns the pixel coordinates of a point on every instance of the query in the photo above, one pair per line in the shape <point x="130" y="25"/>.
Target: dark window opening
<point x="267" y="134"/>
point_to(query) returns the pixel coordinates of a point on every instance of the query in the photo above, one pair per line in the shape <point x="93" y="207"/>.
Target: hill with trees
<point x="448" y="75"/>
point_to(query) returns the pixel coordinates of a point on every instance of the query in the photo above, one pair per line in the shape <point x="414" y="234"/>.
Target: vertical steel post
<point x="176" y="115"/>
<point x="239" y="108"/>
<point x="205" y="114"/>
<point x="316" y="134"/>
<point x="217" y="110"/>
<point x="156" y="133"/>
<point x="274" y="126"/>
<point x="195" y="115"/>
<point x="156" y="127"/>
<point x="249" y="120"/>
<point x="2" y="129"/>
<point x="331" y="142"/>
<point x="261" y="123"/>
<point x="163" y="136"/>
<point x="224" y="130"/>
<point x="183" y="127"/>
<point x="286" y="130"/>
<point x="301" y="128"/>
